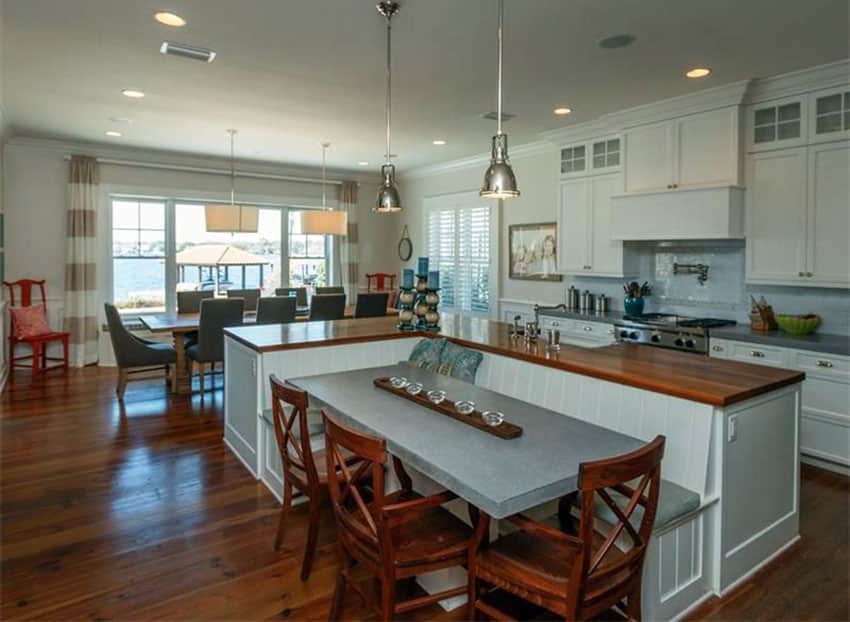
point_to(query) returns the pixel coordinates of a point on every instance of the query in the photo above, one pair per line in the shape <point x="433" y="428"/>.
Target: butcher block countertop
<point x="688" y="376"/>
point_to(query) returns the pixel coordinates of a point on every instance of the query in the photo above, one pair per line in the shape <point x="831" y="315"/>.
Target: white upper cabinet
<point x="828" y="217"/>
<point x="593" y="157"/>
<point x="777" y="124"/>
<point x="698" y="150"/>
<point x="829" y="116"/>
<point x="574" y="227"/>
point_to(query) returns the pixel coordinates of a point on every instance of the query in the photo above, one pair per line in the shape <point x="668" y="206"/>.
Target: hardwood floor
<point x="140" y="512"/>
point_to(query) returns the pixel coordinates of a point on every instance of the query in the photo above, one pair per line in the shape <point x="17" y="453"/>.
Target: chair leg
<point x="284" y="511"/>
<point x="174" y="378"/>
<point x="167" y="376"/>
<point x="387" y="599"/>
<point x="122" y="382"/>
<point x="633" y="604"/>
<point x="312" y="537"/>
<point x="36" y="357"/>
<point x="339" y="594"/>
<point x="201" y="376"/>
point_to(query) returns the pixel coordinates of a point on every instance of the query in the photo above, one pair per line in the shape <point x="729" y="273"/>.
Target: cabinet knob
<point x="827" y="364"/>
<point x="588" y="328"/>
<point x="717" y="348"/>
<point x="675" y="185"/>
<point x="801" y="274"/>
<point x="669" y="186"/>
<point x="809" y="274"/>
<point x="757" y="354"/>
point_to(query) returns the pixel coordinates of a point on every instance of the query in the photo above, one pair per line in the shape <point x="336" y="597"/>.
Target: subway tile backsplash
<point x="724" y="294"/>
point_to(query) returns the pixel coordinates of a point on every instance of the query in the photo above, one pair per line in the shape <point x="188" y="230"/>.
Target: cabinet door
<point x="829" y="117"/>
<point x="649" y="157"/>
<point x="574" y="226"/>
<point x="776" y="212"/>
<point x="777" y="124"/>
<point x="606" y="255"/>
<point x="828" y="223"/>
<point x="707" y="151"/>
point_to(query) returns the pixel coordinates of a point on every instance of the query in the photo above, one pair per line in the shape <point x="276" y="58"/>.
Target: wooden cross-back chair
<point x="38" y="358"/>
<point x="303" y="470"/>
<point x="579" y="577"/>
<point x="393" y="536"/>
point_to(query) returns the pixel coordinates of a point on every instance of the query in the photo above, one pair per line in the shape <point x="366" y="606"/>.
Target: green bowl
<point x="797" y="324"/>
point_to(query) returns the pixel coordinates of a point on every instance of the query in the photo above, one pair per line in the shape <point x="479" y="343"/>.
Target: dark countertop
<point x="692" y="377"/>
<point x="609" y="317"/>
<point x="815" y="342"/>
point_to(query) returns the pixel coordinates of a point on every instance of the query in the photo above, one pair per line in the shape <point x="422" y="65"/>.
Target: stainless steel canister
<point x="601" y="305"/>
<point x="586" y="303"/>
<point x="572" y="298"/>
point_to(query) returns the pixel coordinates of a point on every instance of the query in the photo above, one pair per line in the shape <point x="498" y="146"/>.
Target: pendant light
<point x="324" y="221"/>
<point x="388" y="200"/>
<point x="232" y="218"/>
<point x="499" y="179"/>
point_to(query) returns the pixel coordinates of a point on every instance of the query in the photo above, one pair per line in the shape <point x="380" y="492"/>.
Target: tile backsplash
<point x="724" y="294"/>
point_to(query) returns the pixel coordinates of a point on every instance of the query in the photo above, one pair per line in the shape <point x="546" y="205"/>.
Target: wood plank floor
<point x="138" y="512"/>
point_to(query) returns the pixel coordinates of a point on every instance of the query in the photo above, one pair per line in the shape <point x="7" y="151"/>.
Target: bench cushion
<point x="674" y="502"/>
<point x="315" y="425"/>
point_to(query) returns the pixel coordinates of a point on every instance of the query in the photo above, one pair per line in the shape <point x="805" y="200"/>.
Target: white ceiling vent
<point x="187" y="51"/>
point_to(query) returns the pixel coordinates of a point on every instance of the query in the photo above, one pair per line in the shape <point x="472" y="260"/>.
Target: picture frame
<point x="533" y="252"/>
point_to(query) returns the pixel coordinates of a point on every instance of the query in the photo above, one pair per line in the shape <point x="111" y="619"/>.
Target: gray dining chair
<point x="190" y="301"/>
<point x="134" y="354"/>
<point x="216" y="315"/>
<point x="251" y="297"/>
<point x="300" y="294"/>
<point x="336" y="289"/>
<point x="276" y="310"/>
<point x="371" y="304"/>
<point x="327" y="307"/>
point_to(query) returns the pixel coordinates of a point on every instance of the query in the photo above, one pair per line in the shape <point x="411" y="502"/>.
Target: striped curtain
<point x="81" y="261"/>
<point x="349" y="256"/>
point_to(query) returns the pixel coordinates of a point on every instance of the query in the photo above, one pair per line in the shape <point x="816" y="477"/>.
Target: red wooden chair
<point x="380" y="279"/>
<point x="38" y="343"/>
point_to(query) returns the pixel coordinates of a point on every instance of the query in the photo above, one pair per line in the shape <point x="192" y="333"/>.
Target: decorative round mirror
<point x="405" y="245"/>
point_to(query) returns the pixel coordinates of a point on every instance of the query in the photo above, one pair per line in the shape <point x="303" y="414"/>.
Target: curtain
<point x="81" y="261"/>
<point x="349" y="258"/>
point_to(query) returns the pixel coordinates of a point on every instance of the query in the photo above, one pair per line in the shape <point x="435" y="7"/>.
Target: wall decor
<point x="405" y="245"/>
<point x="533" y="252"/>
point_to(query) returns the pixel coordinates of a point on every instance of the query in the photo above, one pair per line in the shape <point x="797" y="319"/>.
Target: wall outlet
<point x="732" y="429"/>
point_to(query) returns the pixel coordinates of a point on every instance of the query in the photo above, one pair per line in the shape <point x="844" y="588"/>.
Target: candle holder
<point x="420" y="307"/>
<point x="432" y="316"/>
<point x="405" y="309"/>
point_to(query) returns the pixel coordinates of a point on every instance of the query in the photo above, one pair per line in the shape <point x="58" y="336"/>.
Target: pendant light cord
<point x="324" y="173"/>
<point x="232" y="169"/>
<point x="389" y="84"/>
<point x="499" y="101"/>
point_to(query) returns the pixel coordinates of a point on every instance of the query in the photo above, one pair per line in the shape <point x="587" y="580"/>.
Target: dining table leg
<point x="183" y="384"/>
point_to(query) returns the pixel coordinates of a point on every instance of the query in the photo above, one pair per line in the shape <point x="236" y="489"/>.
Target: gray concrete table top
<point x="500" y="477"/>
<point x="814" y="342"/>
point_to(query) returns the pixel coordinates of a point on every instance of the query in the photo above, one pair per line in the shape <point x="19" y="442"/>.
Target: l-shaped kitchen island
<point x="732" y="430"/>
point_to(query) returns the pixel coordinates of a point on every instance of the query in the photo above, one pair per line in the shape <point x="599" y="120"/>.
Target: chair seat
<point x="193" y="352"/>
<point x="320" y="460"/>
<point x="54" y="334"/>
<point x="160" y="353"/>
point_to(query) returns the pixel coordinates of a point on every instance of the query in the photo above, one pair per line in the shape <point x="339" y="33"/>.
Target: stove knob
<point x="624" y="334"/>
<point x="633" y="335"/>
<point x="679" y="343"/>
<point x="689" y="343"/>
<point x="656" y="338"/>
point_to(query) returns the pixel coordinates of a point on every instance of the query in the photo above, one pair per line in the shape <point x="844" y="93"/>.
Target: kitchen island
<point x="732" y="428"/>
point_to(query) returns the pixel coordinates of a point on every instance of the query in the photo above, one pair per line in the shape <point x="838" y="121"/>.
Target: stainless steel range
<point x="665" y="330"/>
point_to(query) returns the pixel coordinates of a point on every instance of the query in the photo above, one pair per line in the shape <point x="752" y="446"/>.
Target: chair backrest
<point x="123" y="342"/>
<point x="327" y="307"/>
<point x="292" y="434"/>
<point x="190" y="301"/>
<point x="25" y="287"/>
<point x="251" y="297"/>
<point x="359" y="526"/>
<point x="371" y="305"/>
<point x="276" y="310"/>
<point x="380" y="281"/>
<point x="216" y="315"/>
<point x="300" y="294"/>
<point x="335" y="289"/>
<point x="610" y="572"/>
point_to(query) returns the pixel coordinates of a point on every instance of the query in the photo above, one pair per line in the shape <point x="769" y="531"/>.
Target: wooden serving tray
<point x="505" y="430"/>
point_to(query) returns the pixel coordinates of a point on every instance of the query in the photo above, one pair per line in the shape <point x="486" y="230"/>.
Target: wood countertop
<point x="688" y="376"/>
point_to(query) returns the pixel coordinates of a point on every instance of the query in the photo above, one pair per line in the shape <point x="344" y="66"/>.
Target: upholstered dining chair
<point x="251" y="296"/>
<point x="334" y="289"/>
<point x="391" y="536"/>
<point x="276" y="310"/>
<point x="327" y="307"/>
<point x="371" y="304"/>
<point x="300" y="294"/>
<point x="216" y="315"/>
<point x="134" y="354"/>
<point x="578" y="577"/>
<point x="190" y="301"/>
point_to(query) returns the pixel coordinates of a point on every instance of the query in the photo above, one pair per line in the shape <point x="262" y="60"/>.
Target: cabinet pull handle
<point x="801" y="274"/>
<point x="757" y="354"/>
<point x="717" y="348"/>
<point x="588" y="329"/>
<point x="675" y="185"/>
<point x="809" y="274"/>
<point x="827" y="364"/>
<point x="669" y="186"/>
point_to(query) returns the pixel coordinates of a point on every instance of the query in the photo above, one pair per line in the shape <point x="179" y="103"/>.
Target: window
<point x="308" y="256"/>
<point x="831" y="115"/>
<point x="459" y="242"/>
<point x="138" y="254"/>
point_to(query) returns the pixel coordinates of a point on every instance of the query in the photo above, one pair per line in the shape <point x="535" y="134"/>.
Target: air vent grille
<point x="187" y="51"/>
<point x="493" y="115"/>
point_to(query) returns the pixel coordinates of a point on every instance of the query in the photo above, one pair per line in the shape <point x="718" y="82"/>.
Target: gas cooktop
<point x="666" y="330"/>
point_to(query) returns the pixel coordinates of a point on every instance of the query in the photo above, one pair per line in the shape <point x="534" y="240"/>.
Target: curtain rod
<point x="212" y="171"/>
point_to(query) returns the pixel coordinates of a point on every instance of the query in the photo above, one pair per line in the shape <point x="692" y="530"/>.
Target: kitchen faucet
<point x="538" y="309"/>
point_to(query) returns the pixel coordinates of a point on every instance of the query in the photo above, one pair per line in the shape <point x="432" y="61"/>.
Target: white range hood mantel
<point x="715" y="213"/>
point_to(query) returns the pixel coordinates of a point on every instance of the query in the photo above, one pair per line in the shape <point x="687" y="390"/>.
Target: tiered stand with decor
<point x="427" y="297"/>
<point x="406" y="301"/>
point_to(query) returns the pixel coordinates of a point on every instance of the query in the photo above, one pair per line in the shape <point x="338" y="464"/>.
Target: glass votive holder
<point x="465" y="407"/>
<point x="414" y="388"/>
<point x="492" y="417"/>
<point x="398" y="382"/>
<point x="436" y="397"/>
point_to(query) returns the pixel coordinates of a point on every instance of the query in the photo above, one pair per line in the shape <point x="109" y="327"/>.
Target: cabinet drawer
<point x="827" y="365"/>
<point x="756" y="353"/>
<point x="718" y="348"/>
<point x="558" y="323"/>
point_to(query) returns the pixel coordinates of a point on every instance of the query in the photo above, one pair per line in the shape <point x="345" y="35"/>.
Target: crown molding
<point x="482" y="159"/>
<point x="802" y="81"/>
<point x="580" y="132"/>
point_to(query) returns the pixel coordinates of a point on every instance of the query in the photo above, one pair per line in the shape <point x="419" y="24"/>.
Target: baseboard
<point x="767" y="561"/>
<point x="825" y="464"/>
<point x="241" y="459"/>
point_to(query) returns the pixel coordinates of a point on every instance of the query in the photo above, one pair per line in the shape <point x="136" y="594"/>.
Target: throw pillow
<point x="30" y="321"/>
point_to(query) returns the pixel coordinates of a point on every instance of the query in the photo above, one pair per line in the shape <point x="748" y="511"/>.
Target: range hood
<point x="715" y="213"/>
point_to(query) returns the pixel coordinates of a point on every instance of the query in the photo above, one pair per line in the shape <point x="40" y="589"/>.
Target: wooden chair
<point x="39" y="343"/>
<point x="578" y="578"/>
<point x="303" y="470"/>
<point x="393" y="536"/>
<point x="380" y="282"/>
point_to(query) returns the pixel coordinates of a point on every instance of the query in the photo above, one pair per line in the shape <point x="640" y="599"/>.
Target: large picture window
<point x="138" y="254"/>
<point x="308" y="256"/>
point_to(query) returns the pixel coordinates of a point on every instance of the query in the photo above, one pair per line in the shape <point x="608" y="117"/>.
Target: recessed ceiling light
<point x="114" y="134"/>
<point x="133" y="93"/>
<point x="562" y="111"/>
<point x="616" y="41"/>
<point x="438" y="142"/>
<point x="362" y="163"/>
<point x="169" y="19"/>
<point x="124" y="120"/>
<point x="698" y="72"/>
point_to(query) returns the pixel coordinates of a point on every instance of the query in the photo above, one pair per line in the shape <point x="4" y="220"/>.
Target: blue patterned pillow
<point x="459" y="362"/>
<point x="426" y="353"/>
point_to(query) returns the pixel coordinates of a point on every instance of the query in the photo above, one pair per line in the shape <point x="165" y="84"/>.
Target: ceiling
<point x="291" y="73"/>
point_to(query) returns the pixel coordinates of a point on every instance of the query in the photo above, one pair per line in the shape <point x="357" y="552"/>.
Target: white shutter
<point x="459" y="247"/>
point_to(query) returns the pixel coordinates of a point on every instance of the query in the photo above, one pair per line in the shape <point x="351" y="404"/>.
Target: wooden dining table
<point x="181" y="324"/>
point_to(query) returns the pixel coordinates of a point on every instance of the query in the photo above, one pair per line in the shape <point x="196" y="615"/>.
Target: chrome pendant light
<point x="232" y="218"/>
<point x="499" y="179"/>
<point x="325" y="221"/>
<point x="388" y="199"/>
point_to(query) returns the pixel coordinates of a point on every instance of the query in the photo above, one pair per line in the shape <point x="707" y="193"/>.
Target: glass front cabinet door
<point x="829" y="118"/>
<point x="777" y="125"/>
